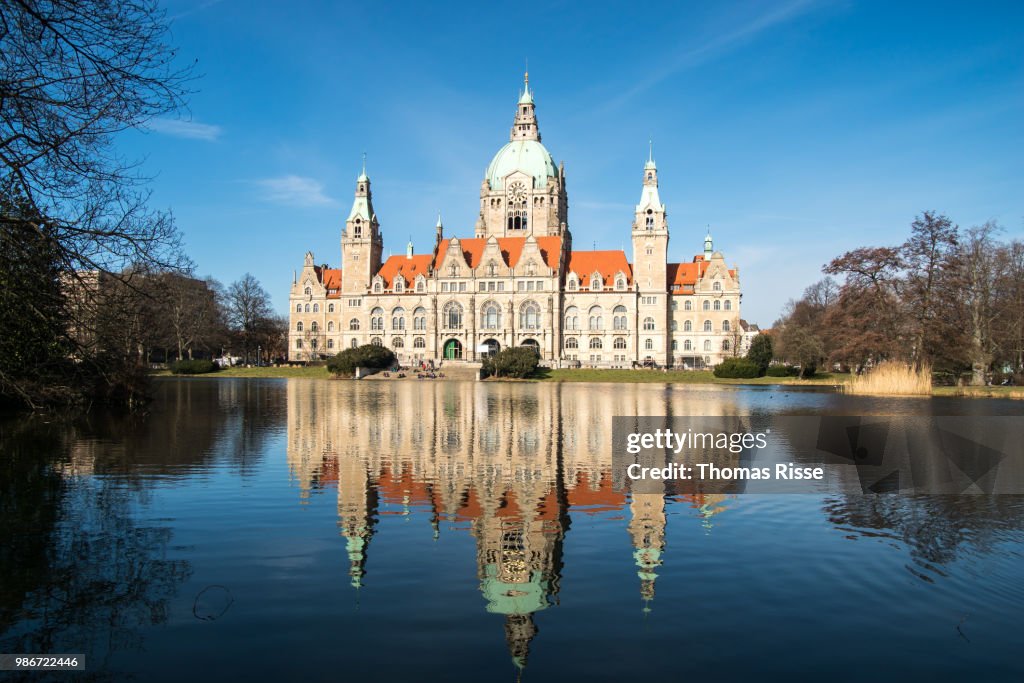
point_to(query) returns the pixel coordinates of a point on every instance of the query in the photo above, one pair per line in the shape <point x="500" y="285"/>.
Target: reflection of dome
<point x="528" y="156"/>
<point x="504" y="597"/>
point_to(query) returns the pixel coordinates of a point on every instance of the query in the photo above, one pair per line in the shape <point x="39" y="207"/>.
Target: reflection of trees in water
<point x="80" y="574"/>
<point x="936" y="529"/>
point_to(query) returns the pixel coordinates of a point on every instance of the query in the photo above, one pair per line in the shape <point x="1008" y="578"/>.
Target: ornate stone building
<point x="519" y="282"/>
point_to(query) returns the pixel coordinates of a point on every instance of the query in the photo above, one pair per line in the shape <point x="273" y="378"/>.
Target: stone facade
<point x="518" y="281"/>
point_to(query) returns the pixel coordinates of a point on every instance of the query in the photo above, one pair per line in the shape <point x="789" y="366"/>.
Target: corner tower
<point x="650" y="255"/>
<point x="361" y="241"/>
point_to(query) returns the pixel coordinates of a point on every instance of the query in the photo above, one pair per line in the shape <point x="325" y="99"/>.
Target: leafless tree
<point x="247" y="308"/>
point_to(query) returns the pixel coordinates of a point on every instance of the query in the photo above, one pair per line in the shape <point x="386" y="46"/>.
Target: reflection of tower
<point x="647" y="529"/>
<point x="519" y="554"/>
<point x="357" y="508"/>
<point x="708" y="505"/>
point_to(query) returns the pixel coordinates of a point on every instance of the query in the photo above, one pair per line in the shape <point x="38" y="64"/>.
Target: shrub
<point x="737" y="368"/>
<point x="760" y="353"/>
<point x="366" y="356"/>
<point x="518" y="362"/>
<point x="782" y="371"/>
<point x="193" y="367"/>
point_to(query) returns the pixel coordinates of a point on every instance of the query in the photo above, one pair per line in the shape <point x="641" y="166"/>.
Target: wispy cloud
<point x="192" y="130"/>
<point x="720" y="43"/>
<point x="294" y="190"/>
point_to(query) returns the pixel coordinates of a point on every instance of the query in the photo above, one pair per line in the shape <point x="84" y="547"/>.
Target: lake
<point x="425" y="531"/>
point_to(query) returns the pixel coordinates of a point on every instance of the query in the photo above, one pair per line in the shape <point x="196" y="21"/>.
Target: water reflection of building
<point x="510" y="460"/>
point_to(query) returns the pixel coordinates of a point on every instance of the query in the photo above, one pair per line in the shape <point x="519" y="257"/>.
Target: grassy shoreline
<point x="698" y="377"/>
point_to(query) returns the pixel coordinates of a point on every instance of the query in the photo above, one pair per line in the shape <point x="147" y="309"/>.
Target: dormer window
<point x="421" y="285"/>
<point x="378" y="286"/>
<point x="717" y="286"/>
<point x="308" y="291"/>
<point x="620" y="284"/>
<point x="571" y="283"/>
<point x="596" y="283"/>
<point x="399" y="285"/>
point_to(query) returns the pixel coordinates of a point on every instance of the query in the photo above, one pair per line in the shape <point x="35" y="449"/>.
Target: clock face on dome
<point x="517" y="192"/>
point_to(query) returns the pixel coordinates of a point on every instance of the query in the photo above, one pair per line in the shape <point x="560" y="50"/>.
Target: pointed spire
<point x="408" y="248"/>
<point x="439" y="224"/>
<point x="650" y="165"/>
<point x="362" y="176"/>
<point x="526" y="97"/>
<point x="708" y="244"/>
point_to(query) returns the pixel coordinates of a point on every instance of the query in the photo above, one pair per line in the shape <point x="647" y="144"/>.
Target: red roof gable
<point x="409" y="268"/>
<point x="330" y="278"/>
<point x="511" y="249"/>
<point x="607" y="263"/>
<point x="680" y="274"/>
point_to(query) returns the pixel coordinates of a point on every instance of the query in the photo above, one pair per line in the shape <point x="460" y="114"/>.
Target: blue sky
<point x="796" y="130"/>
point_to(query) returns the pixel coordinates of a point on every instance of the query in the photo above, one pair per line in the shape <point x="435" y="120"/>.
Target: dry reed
<point x="892" y="379"/>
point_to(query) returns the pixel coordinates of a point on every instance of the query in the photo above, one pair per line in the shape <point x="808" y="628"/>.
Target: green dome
<point x="528" y="156"/>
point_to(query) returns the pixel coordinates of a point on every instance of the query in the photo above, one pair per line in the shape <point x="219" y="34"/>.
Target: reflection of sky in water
<point x="447" y="531"/>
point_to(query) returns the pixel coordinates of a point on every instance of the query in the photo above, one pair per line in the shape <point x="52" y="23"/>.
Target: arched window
<point x="572" y="283"/>
<point x="674" y="326"/>
<point x="452" y="316"/>
<point x="355" y="343"/>
<point x="619" y="320"/>
<point x="718" y="305"/>
<point x="717" y="286"/>
<point x="728" y="304"/>
<point x="707" y="305"/>
<point x="572" y="343"/>
<point x="419" y="343"/>
<point x="687" y="326"/>
<point x="399" y="284"/>
<point x="492" y="316"/>
<point x="620" y="343"/>
<point x="529" y="316"/>
<point x="298" y="343"/>
<point x="376" y="341"/>
<point x="419" y="318"/>
<point x="298" y="308"/>
<point x="687" y="305"/>
<point x="725" y="345"/>
<point x="620" y="284"/>
<point x="398" y="319"/>
<point x="330" y="326"/>
<point x="313" y="343"/>
<point x="308" y="291"/>
<point x="648" y="344"/>
<point x="596" y="283"/>
<point x="316" y="308"/>
<point x="595" y="343"/>
<point x="725" y="326"/>
<point x="650" y="217"/>
<point x="398" y="343"/>
<point x="358" y="229"/>
<point x="330" y="343"/>
<point x="378" y="287"/>
<point x="353" y="324"/>
<point x="298" y="326"/>
<point x="687" y="345"/>
<point x="648" y="323"/>
<point x="707" y="325"/>
<point x="313" y="327"/>
<point x="421" y="285"/>
<point x="307" y="308"/>
<point x="707" y="344"/>
<point x="572" y="318"/>
<point x="377" y="318"/>
<point x="330" y="308"/>
<point x="596" y="318"/>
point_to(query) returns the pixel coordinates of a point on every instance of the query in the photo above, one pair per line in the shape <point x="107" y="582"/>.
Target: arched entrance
<point x="532" y="344"/>
<point x="489" y="347"/>
<point x="453" y="350"/>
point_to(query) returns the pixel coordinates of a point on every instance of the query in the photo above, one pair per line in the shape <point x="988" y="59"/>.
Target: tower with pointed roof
<point x="362" y="244"/>
<point x="650" y="259"/>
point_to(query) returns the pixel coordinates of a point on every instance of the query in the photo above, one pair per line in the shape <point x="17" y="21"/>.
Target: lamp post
<point x="259" y="357"/>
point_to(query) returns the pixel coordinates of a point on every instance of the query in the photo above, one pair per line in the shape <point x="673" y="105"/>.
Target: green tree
<point x="516" y="362"/>
<point x="760" y="353"/>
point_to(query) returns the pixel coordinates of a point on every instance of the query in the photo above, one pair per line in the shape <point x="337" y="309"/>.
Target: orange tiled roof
<point x="608" y="263"/>
<point x="604" y="499"/>
<point x="511" y="249"/>
<point x="330" y="278"/>
<point x="680" y="274"/>
<point x="409" y="268"/>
